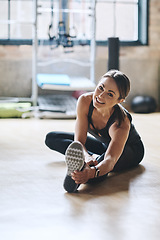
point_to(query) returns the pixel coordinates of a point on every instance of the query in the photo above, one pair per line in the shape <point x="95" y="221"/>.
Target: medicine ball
<point x="143" y="104"/>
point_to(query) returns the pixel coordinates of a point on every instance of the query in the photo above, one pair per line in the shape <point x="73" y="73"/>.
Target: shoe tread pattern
<point x="74" y="159"/>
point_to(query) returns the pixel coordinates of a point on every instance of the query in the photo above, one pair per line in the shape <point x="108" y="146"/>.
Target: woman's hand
<point x="91" y="159"/>
<point x="83" y="176"/>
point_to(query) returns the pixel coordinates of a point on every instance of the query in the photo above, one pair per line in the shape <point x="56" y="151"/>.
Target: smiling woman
<point x="114" y="88"/>
<point x="116" y="145"/>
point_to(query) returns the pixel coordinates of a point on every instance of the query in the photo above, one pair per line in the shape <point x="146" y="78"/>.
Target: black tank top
<point x="103" y="134"/>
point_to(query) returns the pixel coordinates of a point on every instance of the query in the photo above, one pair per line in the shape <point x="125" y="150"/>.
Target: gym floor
<point x="34" y="205"/>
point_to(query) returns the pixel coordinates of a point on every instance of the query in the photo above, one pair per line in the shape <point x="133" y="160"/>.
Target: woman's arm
<point x="81" y="126"/>
<point x="119" y="137"/>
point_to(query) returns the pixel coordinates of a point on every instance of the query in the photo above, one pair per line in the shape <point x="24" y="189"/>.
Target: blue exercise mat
<point x="53" y="79"/>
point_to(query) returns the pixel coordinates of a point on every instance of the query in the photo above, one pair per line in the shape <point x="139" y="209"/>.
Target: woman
<point x="116" y="145"/>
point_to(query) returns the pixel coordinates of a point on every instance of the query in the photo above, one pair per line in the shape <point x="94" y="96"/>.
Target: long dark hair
<point x="123" y="84"/>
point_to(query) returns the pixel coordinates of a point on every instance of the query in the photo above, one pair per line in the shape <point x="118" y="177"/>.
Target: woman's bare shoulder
<point x="84" y="101"/>
<point x="86" y="98"/>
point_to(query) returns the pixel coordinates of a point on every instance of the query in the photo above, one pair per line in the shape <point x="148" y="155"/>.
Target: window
<point x="126" y="19"/>
<point x="16" y="21"/>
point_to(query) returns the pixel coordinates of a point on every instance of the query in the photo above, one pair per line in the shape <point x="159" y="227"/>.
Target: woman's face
<point x="106" y="94"/>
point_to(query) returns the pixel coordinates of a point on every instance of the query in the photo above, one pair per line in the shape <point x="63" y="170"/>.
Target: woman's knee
<point x="50" y="139"/>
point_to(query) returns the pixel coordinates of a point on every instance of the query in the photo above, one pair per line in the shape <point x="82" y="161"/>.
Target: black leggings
<point x="132" y="154"/>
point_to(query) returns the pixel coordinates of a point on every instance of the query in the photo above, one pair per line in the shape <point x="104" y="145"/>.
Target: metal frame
<point x="35" y="46"/>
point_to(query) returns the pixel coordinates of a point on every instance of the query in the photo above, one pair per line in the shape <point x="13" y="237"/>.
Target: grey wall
<point x="15" y="76"/>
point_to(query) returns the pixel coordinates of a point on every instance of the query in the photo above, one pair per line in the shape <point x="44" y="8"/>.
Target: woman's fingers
<point x="79" y="177"/>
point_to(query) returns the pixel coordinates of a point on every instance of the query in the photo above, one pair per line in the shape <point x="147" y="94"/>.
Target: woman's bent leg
<point x="94" y="146"/>
<point x="59" y="141"/>
<point x="130" y="158"/>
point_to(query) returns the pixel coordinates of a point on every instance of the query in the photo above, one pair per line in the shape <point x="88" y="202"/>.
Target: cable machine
<point x="65" y="37"/>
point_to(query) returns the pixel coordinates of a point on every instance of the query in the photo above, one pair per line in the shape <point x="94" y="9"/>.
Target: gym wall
<point x="140" y="63"/>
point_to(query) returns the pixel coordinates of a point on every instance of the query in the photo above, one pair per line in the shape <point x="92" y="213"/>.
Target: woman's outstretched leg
<point x="59" y="141"/>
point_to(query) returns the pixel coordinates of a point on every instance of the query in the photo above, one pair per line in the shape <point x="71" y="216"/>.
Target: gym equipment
<point x="52" y="37"/>
<point x="62" y="34"/>
<point x="113" y="53"/>
<point x="143" y="104"/>
<point x="83" y="41"/>
<point x="113" y="45"/>
<point x="13" y="109"/>
<point x="63" y="37"/>
<point x="57" y="106"/>
<point x="53" y="79"/>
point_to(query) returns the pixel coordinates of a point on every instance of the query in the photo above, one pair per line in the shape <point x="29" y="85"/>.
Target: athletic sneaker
<point x="75" y="160"/>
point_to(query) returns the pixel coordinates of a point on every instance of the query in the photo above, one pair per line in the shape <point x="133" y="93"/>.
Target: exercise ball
<point x="143" y="104"/>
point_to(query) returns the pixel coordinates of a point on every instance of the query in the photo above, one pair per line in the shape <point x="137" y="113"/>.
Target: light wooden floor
<point x="34" y="205"/>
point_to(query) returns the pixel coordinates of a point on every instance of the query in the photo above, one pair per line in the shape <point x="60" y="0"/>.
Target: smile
<point x="98" y="101"/>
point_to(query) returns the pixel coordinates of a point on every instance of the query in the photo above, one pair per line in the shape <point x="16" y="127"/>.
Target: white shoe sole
<point x="74" y="157"/>
<point x="75" y="160"/>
